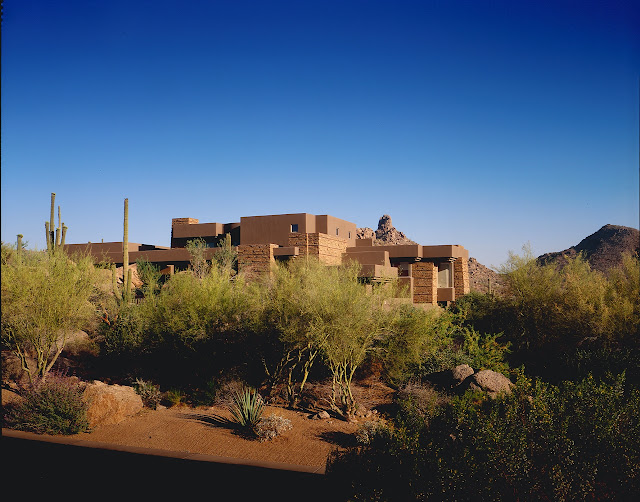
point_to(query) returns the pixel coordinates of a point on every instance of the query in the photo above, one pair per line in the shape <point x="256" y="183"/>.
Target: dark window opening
<point x="294" y="227"/>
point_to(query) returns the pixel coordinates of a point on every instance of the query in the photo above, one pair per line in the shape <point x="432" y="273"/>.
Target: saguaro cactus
<point x="54" y="236"/>
<point x="19" y="247"/>
<point x="126" y="273"/>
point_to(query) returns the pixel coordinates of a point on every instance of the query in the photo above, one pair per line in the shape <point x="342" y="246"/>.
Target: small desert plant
<point x="418" y="397"/>
<point x="149" y="393"/>
<point x="175" y="397"/>
<point x="368" y="431"/>
<point x="246" y="408"/>
<point x="272" y="426"/>
<point x="54" y="406"/>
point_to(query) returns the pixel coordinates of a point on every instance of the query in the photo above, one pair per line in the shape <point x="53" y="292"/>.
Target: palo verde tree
<point x="350" y="319"/>
<point x="317" y="311"/>
<point x="45" y="298"/>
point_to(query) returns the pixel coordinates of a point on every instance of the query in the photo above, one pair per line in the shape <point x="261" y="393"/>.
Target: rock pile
<point x="464" y="377"/>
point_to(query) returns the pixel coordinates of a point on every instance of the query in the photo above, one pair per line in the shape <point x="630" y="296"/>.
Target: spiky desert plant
<point x="246" y="408"/>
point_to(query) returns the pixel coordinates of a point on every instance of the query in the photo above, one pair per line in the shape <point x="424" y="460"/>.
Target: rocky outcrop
<point x="110" y="404"/>
<point x="481" y="278"/>
<point x="386" y="234"/>
<point x="603" y="249"/>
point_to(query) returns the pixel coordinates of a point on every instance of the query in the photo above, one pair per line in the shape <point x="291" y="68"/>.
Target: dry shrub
<point x="272" y="426"/>
<point x="420" y="397"/>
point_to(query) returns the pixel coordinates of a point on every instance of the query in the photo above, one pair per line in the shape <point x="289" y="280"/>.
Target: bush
<point x="575" y="441"/>
<point x="368" y="431"/>
<point x="420" y="398"/>
<point x="175" y="397"/>
<point x="149" y="393"/>
<point x="51" y="406"/>
<point x="272" y="426"/>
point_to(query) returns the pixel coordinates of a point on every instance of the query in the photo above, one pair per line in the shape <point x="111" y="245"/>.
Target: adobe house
<point x="432" y="273"/>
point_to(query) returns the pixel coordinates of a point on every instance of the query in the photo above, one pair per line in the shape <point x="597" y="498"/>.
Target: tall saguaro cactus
<point x="19" y="247"/>
<point x="123" y="296"/>
<point x="126" y="273"/>
<point x="54" y="236"/>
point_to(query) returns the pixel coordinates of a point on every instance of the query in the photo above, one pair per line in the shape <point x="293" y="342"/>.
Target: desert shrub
<point x="416" y="335"/>
<point x="175" y="397"/>
<point x="272" y="426"/>
<point x="246" y="408"/>
<point x="368" y="431"/>
<point x="150" y="276"/>
<point x="556" y="318"/>
<point x="51" y="406"/>
<point x="575" y="441"/>
<point x="150" y="393"/>
<point x="124" y="334"/>
<point x="419" y="398"/>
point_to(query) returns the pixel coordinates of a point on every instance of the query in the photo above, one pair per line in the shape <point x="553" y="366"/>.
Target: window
<point x="337" y="231"/>
<point x="349" y="235"/>
<point x="445" y="275"/>
<point x="294" y="227"/>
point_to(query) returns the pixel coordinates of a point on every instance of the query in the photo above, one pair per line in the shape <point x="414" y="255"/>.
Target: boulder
<point x="460" y="373"/>
<point x="110" y="404"/>
<point x="490" y="382"/>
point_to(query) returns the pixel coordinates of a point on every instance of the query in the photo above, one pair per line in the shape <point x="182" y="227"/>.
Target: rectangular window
<point x="294" y="227"/>
<point x="445" y="275"/>
<point x="337" y="231"/>
<point x="349" y="235"/>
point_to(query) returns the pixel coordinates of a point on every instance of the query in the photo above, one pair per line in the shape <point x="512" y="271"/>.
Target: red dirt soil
<point x="209" y="431"/>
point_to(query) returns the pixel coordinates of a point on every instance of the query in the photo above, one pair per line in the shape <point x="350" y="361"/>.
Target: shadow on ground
<point x="74" y="471"/>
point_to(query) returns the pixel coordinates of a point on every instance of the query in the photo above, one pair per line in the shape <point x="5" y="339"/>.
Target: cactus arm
<point x="64" y="233"/>
<point x="47" y="235"/>
<point x="52" y="221"/>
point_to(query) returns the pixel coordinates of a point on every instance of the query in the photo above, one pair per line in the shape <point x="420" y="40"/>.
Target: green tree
<point x="45" y="298"/>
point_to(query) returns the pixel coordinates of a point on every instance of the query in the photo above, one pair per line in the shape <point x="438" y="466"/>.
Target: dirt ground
<point x="209" y="431"/>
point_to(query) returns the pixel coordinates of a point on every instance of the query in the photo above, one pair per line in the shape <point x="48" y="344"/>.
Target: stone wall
<point x="255" y="259"/>
<point x="184" y="221"/>
<point x="328" y="249"/>
<point x="425" y="282"/>
<point x="461" y="276"/>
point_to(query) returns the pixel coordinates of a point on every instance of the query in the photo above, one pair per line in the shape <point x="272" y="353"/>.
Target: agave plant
<point x="247" y="407"/>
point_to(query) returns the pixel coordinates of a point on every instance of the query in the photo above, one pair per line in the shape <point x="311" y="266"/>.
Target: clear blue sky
<point x="483" y="123"/>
